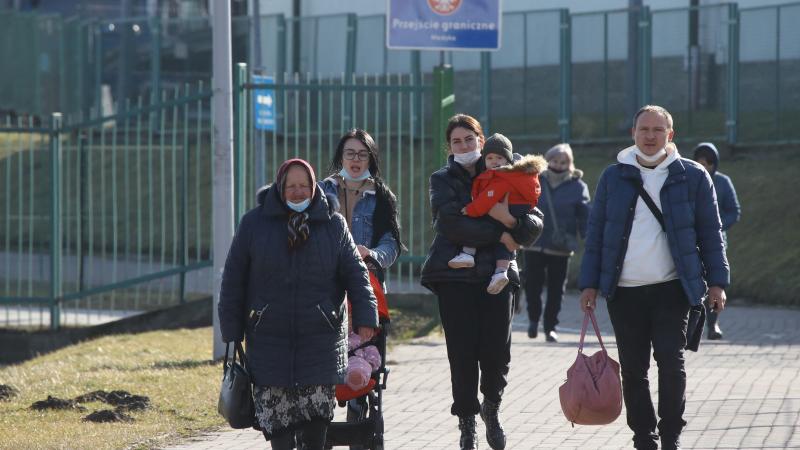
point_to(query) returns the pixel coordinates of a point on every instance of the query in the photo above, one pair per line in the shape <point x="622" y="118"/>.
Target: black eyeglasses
<point x="350" y="156"/>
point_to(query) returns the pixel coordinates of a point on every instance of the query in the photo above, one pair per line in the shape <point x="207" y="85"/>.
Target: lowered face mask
<point x="651" y="158"/>
<point x="346" y="175"/>
<point x="298" y="207"/>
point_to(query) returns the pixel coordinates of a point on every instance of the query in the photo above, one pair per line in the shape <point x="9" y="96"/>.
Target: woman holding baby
<point x="475" y="318"/>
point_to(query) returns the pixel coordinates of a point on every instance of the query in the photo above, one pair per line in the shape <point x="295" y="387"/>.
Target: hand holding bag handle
<point x="236" y="393"/>
<point x="586" y="317"/>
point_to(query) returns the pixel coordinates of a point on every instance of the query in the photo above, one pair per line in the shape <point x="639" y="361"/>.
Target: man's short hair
<point x="654" y="109"/>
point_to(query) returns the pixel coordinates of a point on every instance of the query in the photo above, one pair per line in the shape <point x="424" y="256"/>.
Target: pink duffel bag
<point x="592" y="394"/>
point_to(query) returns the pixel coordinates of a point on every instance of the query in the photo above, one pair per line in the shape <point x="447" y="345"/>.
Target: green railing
<point x="313" y="112"/>
<point x="106" y="217"/>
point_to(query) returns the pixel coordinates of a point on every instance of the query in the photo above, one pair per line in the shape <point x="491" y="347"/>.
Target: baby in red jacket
<point x="520" y="180"/>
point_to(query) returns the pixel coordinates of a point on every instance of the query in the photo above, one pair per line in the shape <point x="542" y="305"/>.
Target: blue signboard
<point x="264" y="104"/>
<point x="443" y="24"/>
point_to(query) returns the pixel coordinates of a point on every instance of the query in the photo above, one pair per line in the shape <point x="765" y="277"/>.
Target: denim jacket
<point x="385" y="253"/>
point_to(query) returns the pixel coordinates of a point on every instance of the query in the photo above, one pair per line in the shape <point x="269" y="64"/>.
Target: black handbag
<point x="694" y="329"/>
<point x="236" y="394"/>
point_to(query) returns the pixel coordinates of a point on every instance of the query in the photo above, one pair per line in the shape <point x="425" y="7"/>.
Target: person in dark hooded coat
<point x="283" y="286"/>
<point x="730" y="212"/>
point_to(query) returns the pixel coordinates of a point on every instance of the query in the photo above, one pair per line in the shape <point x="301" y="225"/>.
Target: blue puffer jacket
<point x="570" y="201"/>
<point x="729" y="209"/>
<point x="692" y="223"/>
<point x="289" y="304"/>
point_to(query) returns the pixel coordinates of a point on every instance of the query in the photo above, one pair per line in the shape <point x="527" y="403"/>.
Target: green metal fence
<point x="769" y="81"/>
<point x="312" y="112"/>
<point x="106" y="217"/>
<point x="726" y="73"/>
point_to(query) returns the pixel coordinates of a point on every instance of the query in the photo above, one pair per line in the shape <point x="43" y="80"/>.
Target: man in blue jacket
<point x="707" y="155"/>
<point x="653" y="249"/>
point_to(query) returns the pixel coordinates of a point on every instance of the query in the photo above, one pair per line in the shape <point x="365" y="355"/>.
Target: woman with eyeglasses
<point x="365" y="201"/>
<point x="283" y="289"/>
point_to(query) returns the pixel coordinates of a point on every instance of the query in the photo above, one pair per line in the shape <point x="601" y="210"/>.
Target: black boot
<point x="533" y="330"/>
<point x="714" y="332"/>
<point x="469" y="437"/>
<point x="495" y="435"/>
<point x="671" y="442"/>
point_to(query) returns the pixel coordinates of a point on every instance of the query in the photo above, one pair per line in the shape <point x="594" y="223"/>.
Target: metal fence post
<point x="155" y="59"/>
<point x="98" y="70"/>
<point x="645" y="55"/>
<point x="565" y="83"/>
<point x="443" y="107"/>
<point x="239" y="139"/>
<point x="486" y="91"/>
<point x="55" y="221"/>
<point x="416" y="72"/>
<point x="732" y="107"/>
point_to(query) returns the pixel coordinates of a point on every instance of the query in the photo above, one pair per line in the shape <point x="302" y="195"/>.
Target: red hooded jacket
<point x="519" y="180"/>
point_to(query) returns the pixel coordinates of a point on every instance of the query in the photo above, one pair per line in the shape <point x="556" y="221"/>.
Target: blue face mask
<point x="299" y="207"/>
<point x="344" y="174"/>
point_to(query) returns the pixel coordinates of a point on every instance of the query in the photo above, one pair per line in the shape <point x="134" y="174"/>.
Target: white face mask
<point x="298" y="207"/>
<point x="652" y="158"/>
<point x="346" y="175"/>
<point x="467" y="159"/>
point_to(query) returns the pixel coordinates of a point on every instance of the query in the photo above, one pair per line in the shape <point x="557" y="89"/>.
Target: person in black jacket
<point x="283" y="287"/>
<point x="477" y="325"/>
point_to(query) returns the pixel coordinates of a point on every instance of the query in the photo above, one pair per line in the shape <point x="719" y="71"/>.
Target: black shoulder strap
<point x="651" y="205"/>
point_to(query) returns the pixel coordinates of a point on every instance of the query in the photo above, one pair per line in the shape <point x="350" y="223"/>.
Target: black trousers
<point x="477" y="330"/>
<point x="536" y="264"/>
<point x="309" y="436"/>
<point x="645" y="317"/>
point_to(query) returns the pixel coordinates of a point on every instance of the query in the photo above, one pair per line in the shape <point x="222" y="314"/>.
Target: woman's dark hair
<point x="463" y="121"/>
<point x="385" y="216"/>
<point x="363" y="137"/>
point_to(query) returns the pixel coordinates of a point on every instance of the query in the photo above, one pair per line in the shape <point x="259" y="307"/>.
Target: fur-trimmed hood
<point x="526" y="164"/>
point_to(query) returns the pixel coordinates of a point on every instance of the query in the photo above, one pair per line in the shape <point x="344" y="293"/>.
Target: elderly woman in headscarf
<point x="565" y="204"/>
<point x="283" y="287"/>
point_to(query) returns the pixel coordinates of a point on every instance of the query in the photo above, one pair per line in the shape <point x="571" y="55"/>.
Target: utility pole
<point x="222" y="197"/>
<point x="632" y="70"/>
<point x="257" y="64"/>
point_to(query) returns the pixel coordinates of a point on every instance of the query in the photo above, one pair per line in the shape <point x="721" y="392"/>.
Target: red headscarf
<point x="280" y="178"/>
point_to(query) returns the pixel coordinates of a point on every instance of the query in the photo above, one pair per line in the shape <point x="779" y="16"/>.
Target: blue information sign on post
<point x="264" y="104"/>
<point x="443" y="24"/>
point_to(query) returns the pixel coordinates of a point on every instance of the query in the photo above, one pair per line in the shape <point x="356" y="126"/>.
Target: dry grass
<point x="172" y="368"/>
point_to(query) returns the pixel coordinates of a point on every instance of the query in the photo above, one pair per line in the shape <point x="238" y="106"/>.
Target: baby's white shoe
<point x="498" y="282"/>
<point x="462" y="261"/>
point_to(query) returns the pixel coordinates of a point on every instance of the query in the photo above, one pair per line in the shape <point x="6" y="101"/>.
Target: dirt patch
<point x="6" y="392"/>
<point x="106" y="415"/>
<point x="56" y="403"/>
<point x="123" y="400"/>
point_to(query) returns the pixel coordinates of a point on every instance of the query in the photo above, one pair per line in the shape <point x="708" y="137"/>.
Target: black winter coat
<point x="451" y="190"/>
<point x="289" y="304"/>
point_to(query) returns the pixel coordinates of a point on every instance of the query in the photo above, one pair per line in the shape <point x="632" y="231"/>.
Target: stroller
<point x="363" y="428"/>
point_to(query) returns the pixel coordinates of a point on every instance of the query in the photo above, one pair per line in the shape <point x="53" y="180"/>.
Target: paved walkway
<point x="743" y="392"/>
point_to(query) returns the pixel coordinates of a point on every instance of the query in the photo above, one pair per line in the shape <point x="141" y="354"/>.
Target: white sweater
<point x="648" y="260"/>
